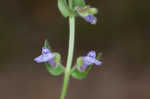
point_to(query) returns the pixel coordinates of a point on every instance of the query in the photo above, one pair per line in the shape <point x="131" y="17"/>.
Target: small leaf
<point x="57" y="70"/>
<point x="63" y="8"/>
<point x="79" y="3"/>
<point x="46" y="44"/>
<point x="77" y="74"/>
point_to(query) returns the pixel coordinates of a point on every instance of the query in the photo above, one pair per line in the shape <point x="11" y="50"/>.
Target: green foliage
<point x="78" y="3"/>
<point x="46" y="44"/>
<point x="56" y="71"/>
<point x="63" y="8"/>
<point x="77" y="74"/>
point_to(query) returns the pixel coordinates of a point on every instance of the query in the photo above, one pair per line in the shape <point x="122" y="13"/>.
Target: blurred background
<point x="122" y="34"/>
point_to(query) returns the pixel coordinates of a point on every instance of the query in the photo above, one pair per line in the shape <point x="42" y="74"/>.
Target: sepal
<point x="92" y="11"/>
<point x="82" y="11"/>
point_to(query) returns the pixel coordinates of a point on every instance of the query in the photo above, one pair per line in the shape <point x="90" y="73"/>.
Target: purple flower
<point x="90" y="18"/>
<point x="89" y="60"/>
<point x="46" y="56"/>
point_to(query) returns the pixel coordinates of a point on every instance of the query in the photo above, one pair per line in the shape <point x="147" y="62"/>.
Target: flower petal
<point x="44" y="58"/>
<point x="83" y="67"/>
<point x="90" y="18"/>
<point x="52" y="62"/>
<point x="92" y="54"/>
<point x="88" y="60"/>
<point x="97" y="62"/>
<point x="45" y="50"/>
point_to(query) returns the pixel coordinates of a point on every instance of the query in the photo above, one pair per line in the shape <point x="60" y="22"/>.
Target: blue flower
<point x="89" y="60"/>
<point x="90" y="18"/>
<point x="46" y="56"/>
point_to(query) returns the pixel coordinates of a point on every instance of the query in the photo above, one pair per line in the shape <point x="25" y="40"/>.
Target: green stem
<point x="70" y="3"/>
<point x="70" y="56"/>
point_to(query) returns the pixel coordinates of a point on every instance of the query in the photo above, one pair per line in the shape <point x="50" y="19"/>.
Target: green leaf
<point x="63" y="8"/>
<point x="46" y="44"/>
<point x="56" y="71"/>
<point x="79" y="3"/>
<point x="77" y="74"/>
